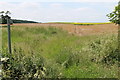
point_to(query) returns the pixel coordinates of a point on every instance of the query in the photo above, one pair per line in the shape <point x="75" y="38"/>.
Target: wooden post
<point x="9" y="34"/>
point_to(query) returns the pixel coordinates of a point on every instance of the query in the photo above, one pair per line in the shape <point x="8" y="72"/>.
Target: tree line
<point x="4" y="21"/>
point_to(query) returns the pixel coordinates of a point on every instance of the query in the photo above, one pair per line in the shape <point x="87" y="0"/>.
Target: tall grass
<point x="53" y="53"/>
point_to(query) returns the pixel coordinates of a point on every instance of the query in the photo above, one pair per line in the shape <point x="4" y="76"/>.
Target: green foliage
<point x="4" y="16"/>
<point x="53" y="53"/>
<point x="21" y="67"/>
<point x="68" y="58"/>
<point x="104" y="50"/>
<point x="94" y="58"/>
<point x="3" y="20"/>
<point x="115" y="15"/>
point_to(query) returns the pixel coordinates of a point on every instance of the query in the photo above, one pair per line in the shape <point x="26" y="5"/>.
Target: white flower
<point x="35" y="75"/>
<point x="44" y="69"/>
<point x="42" y="73"/>
<point x="4" y="59"/>
<point x="0" y="70"/>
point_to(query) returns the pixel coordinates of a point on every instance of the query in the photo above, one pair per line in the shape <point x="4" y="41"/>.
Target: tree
<point x="3" y="16"/>
<point x="115" y="15"/>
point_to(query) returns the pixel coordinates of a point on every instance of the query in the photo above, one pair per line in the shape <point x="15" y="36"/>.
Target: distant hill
<point x="4" y="21"/>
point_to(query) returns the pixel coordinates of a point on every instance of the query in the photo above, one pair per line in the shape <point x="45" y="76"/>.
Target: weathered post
<point x="9" y="34"/>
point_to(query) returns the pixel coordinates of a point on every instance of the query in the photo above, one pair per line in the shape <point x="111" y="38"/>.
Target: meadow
<point x="56" y="52"/>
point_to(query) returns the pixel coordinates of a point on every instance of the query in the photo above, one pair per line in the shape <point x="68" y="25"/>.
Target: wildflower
<point x="35" y="75"/>
<point x="43" y="74"/>
<point x="0" y="71"/>
<point x="44" y="69"/>
<point x="4" y="59"/>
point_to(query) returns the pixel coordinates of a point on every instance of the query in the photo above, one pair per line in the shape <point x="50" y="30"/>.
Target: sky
<point x="59" y="10"/>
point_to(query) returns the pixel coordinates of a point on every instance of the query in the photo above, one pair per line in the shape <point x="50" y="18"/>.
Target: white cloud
<point x="82" y="9"/>
<point x="53" y="12"/>
<point x="62" y="0"/>
<point x="93" y="0"/>
<point x="21" y="10"/>
<point x="29" y="4"/>
<point x="56" y="5"/>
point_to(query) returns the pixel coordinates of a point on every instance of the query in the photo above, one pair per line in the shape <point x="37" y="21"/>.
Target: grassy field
<point x="50" y="52"/>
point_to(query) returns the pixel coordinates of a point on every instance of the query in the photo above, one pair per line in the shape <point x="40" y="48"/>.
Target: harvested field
<point x="77" y="29"/>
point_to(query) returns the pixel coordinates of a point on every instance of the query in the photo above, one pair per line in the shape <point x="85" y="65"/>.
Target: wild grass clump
<point x="67" y="58"/>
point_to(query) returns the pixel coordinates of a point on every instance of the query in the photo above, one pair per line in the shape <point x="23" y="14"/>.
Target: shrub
<point x="104" y="50"/>
<point x="18" y="66"/>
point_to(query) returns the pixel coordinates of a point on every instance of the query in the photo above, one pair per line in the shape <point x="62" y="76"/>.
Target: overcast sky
<point x="59" y="10"/>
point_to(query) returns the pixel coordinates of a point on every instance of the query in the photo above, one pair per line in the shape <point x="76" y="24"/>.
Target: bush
<point x="105" y="50"/>
<point x="20" y="66"/>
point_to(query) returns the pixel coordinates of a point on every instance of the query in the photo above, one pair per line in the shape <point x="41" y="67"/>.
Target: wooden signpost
<point x="9" y="34"/>
<point x="8" y="18"/>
